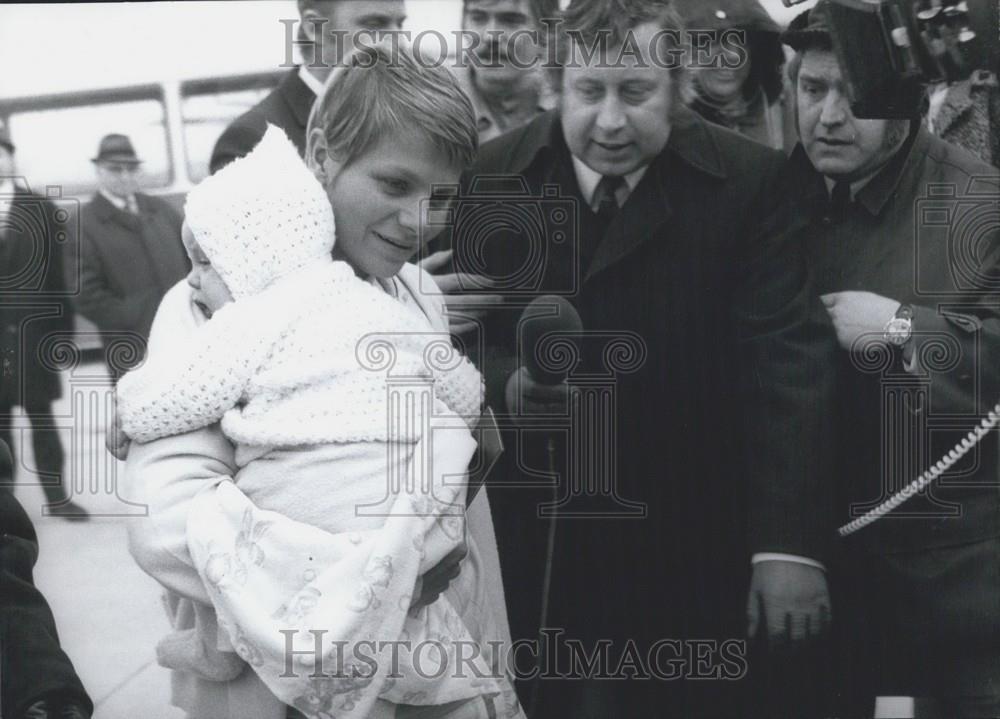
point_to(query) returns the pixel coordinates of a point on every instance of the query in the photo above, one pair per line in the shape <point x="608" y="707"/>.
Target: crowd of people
<point x="770" y="316"/>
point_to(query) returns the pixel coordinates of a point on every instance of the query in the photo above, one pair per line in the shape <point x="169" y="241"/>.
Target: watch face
<point x="897" y="332"/>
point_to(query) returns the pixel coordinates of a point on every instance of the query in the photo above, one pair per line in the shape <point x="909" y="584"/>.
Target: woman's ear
<point x="318" y="157"/>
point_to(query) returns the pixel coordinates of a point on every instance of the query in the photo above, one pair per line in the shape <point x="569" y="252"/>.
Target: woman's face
<point x="380" y="201"/>
<point x="725" y="82"/>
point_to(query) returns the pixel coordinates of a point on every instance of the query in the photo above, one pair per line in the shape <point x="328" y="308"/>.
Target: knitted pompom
<point x="261" y="217"/>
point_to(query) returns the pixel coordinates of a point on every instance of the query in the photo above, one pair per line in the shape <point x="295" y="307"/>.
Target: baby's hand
<point x="115" y="439"/>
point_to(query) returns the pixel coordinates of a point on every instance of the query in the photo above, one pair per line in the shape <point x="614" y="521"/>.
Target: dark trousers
<point x="49" y="455"/>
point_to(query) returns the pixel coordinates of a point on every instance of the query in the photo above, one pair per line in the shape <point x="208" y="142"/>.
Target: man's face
<point x="616" y="118"/>
<point x="7" y="166"/>
<point x="380" y="201"/>
<point x="350" y="17"/>
<point x="209" y="293"/>
<point x="839" y="145"/>
<point x="494" y="22"/>
<point x="120" y="179"/>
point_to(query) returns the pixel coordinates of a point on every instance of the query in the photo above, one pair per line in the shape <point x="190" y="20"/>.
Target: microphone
<point x="546" y="316"/>
<point x="550" y="329"/>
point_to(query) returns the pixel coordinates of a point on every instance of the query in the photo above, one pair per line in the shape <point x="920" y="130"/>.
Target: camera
<point x="960" y="228"/>
<point x="524" y="243"/>
<point x="890" y="50"/>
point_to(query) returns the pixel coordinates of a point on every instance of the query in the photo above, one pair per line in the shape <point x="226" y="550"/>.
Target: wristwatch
<point x="899" y="329"/>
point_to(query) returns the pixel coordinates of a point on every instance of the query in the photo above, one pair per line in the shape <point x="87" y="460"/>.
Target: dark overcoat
<point x="287" y="106"/>
<point x="34" y="305"/>
<point x="127" y="263"/>
<point x="716" y="422"/>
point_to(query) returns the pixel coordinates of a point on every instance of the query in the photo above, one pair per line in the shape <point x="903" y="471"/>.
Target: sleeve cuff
<point x="779" y="557"/>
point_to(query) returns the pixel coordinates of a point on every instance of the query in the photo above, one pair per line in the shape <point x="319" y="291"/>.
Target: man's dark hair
<point x="588" y="21"/>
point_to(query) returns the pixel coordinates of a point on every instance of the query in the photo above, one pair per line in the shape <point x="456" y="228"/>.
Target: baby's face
<point x="210" y="292"/>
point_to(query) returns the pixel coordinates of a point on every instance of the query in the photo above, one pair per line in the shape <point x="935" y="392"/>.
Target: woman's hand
<point x="437" y="578"/>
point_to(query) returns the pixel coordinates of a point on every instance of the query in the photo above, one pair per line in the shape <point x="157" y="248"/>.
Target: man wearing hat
<point x="130" y="253"/>
<point x="903" y="236"/>
<point x="34" y="305"/>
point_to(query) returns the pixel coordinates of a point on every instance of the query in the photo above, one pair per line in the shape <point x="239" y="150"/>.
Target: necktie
<point x="840" y="200"/>
<point x="605" y="197"/>
<point x="131" y="205"/>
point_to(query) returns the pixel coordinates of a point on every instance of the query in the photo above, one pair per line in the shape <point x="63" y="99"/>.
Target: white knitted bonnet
<point x="261" y="217"/>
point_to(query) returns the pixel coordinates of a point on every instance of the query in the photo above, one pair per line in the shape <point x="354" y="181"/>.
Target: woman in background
<point x="746" y="98"/>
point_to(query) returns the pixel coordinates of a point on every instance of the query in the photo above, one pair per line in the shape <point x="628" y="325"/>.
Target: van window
<point x="209" y="105"/>
<point x="55" y="143"/>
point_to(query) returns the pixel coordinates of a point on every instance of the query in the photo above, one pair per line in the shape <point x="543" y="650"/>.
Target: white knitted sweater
<point x="306" y="361"/>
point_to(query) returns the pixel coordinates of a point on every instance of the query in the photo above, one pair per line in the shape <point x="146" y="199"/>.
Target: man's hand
<point x="788" y="600"/>
<point x="436" y="579"/>
<point x="857" y="314"/>
<point x="525" y="396"/>
<point x="464" y="310"/>
<point x="115" y="439"/>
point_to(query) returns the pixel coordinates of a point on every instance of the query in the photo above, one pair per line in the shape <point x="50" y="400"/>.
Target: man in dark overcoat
<point x="130" y="254"/>
<point x="902" y="233"/>
<point x="659" y="228"/>
<point x="34" y="311"/>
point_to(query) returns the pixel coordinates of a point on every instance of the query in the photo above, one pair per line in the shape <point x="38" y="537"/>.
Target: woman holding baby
<point x="243" y="559"/>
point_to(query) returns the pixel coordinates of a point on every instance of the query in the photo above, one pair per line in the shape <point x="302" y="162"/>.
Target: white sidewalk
<point x="107" y="610"/>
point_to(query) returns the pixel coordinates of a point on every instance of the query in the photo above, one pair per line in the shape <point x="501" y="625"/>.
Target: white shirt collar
<point x="310" y="80"/>
<point x="587" y="178"/>
<point x="120" y="202"/>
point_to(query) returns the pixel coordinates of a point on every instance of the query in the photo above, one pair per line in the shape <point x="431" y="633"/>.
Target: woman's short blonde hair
<point x="384" y="90"/>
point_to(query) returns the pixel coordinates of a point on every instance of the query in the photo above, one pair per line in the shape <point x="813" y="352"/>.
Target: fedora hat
<point x="116" y="148"/>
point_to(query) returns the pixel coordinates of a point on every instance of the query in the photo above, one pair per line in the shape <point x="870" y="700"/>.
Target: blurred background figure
<point x="506" y="92"/>
<point x="964" y="108"/>
<point x="38" y="679"/>
<point x="130" y="254"/>
<point x="326" y="33"/>
<point x="31" y="269"/>
<point x="748" y="98"/>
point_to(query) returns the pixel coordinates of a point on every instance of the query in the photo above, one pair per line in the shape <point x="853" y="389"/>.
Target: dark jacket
<point x="32" y="664"/>
<point x="127" y="264"/>
<point x="718" y="430"/>
<point x="34" y="303"/>
<point x="923" y="232"/>
<point x="287" y="106"/>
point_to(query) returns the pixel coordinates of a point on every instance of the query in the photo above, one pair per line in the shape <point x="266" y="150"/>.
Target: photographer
<point x="906" y="253"/>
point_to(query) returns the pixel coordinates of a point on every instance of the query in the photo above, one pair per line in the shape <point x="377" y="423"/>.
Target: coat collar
<point x="105" y="211"/>
<point x="874" y="195"/>
<point x="297" y="96"/>
<point x="540" y="146"/>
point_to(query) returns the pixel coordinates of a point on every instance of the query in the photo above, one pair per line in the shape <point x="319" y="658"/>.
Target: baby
<point x="329" y="388"/>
